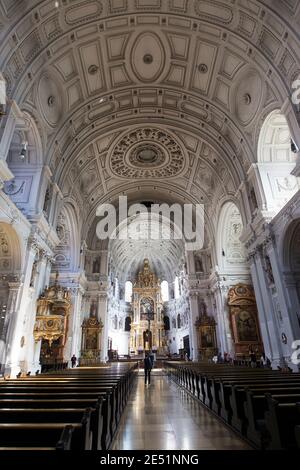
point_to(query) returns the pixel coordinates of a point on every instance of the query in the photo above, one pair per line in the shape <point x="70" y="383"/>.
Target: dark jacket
<point x="152" y="359"/>
<point x="147" y="363"/>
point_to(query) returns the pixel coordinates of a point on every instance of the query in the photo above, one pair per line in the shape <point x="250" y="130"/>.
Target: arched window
<point x="127" y="324"/>
<point x="231" y="252"/>
<point x="176" y="286"/>
<point x="164" y="291"/>
<point x="128" y="291"/>
<point x="116" y="288"/>
<point x="166" y="323"/>
<point x="276" y="160"/>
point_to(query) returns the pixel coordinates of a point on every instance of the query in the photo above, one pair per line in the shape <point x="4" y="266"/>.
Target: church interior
<point x="165" y="103"/>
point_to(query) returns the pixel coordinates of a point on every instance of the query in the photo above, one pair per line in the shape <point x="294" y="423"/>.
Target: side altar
<point x="91" y="341"/>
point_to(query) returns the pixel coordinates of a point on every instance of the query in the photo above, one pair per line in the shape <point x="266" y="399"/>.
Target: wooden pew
<point x="255" y="409"/>
<point x="281" y="420"/>
<point x="239" y="395"/>
<point x="39" y="436"/>
<point x="59" y="396"/>
<point x="223" y="389"/>
<point x="297" y="436"/>
<point x="55" y="415"/>
<point x="99" y="420"/>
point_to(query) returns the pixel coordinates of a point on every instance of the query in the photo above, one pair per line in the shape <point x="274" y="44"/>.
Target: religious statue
<point x="147" y="337"/>
<point x="60" y="232"/>
<point x="86" y="263"/>
<point x="202" y="308"/>
<point x="253" y="200"/>
<point x="4" y="245"/>
<point x="46" y="200"/>
<point x="93" y="309"/>
<point x="199" y="264"/>
<point x="96" y="265"/>
<point x="34" y="273"/>
<point x="268" y="270"/>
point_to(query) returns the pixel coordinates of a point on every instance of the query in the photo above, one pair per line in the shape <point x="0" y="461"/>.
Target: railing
<point x="56" y="365"/>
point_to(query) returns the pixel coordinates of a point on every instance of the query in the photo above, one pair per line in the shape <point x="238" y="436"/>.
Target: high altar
<point x="147" y="328"/>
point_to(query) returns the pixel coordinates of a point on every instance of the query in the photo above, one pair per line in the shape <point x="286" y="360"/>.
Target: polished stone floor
<point x="162" y="416"/>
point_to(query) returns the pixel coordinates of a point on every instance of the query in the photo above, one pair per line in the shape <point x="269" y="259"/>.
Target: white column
<point x="192" y="328"/>
<point x="32" y="351"/>
<point x="102" y="315"/>
<point x="18" y="319"/>
<point x="268" y="319"/>
<point x="12" y="302"/>
<point x="76" y="322"/>
<point x="8" y="129"/>
<point x="222" y="318"/>
<point x="290" y="320"/>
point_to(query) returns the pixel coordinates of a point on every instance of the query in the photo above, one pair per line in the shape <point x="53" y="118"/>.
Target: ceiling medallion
<point x="147" y="155"/>
<point x="202" y="68"/>
<point x="148" y="59"/>
<point x="51" y="101"/>
<point x="247" y="98"/>
<point x="147" y="152"/>
<point x="93" y="69"/>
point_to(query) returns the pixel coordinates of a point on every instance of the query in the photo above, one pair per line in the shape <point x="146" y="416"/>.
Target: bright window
<point x="164" y="291"/>
<point x="128" y="291"/>
<point x="176" y="286"/>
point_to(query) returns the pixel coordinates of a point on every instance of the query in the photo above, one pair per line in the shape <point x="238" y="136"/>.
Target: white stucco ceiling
<point x="200" y="75"/>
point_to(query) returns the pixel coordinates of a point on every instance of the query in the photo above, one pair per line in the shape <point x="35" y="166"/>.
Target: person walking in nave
<point x="73" y="360"/>
<point x="147" y="368"/>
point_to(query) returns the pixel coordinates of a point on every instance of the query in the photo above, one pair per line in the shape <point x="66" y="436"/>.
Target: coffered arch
<point x="158" y="193"/>
<point x="195" y="46"/>
<point x="38" y="29"/>
<point x="191" y="68"/>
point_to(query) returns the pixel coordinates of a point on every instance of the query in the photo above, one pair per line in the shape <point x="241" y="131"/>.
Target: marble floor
<point x="161" y="416"/>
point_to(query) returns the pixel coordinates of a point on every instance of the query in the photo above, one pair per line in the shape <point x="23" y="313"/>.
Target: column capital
<point x="12" y="279"/>
<point x="102" y="296"/>
<point x="193" y="294"/>
<point x="76" y="290"/>
<point x="15" y="285"/>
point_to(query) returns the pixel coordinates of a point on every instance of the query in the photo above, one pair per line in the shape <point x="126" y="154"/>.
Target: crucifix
<point x="148" y="334"/>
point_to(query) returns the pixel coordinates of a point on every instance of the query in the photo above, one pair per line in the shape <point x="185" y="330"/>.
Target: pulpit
<point x="51" y="323"/>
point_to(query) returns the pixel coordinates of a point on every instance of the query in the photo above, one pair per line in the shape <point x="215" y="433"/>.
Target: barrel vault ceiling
<point x="155" y="99"/>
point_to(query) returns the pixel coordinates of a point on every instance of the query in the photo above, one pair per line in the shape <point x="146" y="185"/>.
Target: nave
<point x="163" y="416"/>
